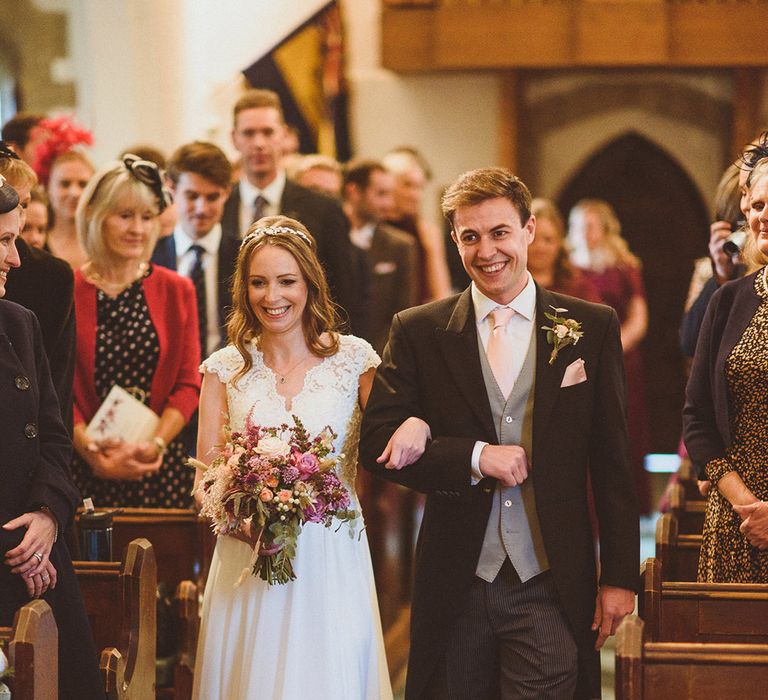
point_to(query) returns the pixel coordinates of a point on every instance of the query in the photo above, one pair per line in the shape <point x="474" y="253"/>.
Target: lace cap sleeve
<point x="361" y="353"/>
<point x="224" y="363"/>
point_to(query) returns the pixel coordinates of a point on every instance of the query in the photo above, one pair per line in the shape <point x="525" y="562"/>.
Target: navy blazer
<point x="326" y="221"/>
<point x="34" y="455"/>
<point x="707" y="413"/>
<point x="165" y="256"/>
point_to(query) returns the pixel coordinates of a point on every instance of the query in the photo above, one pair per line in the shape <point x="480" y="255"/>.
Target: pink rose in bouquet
<point x="280" y="478"/>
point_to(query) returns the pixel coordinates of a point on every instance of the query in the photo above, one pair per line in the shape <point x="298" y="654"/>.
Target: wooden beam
<point x="485" y="34"/>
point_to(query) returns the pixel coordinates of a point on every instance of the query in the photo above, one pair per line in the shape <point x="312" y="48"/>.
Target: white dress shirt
<point x="363" y="237"/>
<point x="273" y="193"/>
<point x="519" y="327"/>
<point x="185" y="260"/>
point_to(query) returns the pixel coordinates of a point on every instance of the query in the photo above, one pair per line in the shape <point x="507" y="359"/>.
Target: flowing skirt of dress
<point x="318" y="636"/>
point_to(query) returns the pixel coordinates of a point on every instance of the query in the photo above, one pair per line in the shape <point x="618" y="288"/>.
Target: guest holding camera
<point x="725" y="423"/>
<point x="137" y="328"/>
<point x="727" y="235"/>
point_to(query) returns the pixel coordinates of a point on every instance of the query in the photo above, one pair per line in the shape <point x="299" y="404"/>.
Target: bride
<point x="319" y="635"/>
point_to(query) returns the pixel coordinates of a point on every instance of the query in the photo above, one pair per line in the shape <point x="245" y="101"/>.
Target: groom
<point x="506" y="602"/>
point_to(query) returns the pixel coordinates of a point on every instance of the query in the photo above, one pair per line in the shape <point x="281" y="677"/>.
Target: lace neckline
<point x="287" y="402"/>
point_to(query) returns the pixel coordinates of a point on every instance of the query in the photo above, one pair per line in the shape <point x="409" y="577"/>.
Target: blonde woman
<point x="137" y="328"/>
<point x="594" y="234"/>
<point x="724" y="419"/>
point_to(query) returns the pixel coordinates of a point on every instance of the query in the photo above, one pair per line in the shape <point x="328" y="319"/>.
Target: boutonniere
<point x="562" y="333"/>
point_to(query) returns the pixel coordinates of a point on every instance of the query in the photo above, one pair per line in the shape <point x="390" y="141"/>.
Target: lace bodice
<point x="329" y="395"/>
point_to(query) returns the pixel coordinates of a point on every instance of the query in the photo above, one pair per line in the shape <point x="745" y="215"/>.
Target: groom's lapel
<point x="458" y="345"/>
<point x="548" y="377"/>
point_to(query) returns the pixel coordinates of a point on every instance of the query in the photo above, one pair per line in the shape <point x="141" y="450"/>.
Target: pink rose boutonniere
<point x="562" y="333"/>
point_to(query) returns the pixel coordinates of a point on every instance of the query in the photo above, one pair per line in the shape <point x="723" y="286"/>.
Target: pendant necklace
<point x="282" y="376"/>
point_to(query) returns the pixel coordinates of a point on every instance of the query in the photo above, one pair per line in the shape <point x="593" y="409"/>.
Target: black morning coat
<point x="35" y="451"/>
<point x="431" y="369"/>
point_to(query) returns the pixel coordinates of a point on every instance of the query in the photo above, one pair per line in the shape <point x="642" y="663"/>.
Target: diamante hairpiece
<point x="273" y="231"/>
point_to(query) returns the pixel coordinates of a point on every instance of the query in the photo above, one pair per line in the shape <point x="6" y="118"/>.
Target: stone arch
<point x="665" y="221"/>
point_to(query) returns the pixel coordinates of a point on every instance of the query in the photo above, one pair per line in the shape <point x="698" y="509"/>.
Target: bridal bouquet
<point x="278" y="479"/>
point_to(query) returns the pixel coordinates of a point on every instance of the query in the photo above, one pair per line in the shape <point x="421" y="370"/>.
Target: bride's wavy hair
<point x="321" y="315"/>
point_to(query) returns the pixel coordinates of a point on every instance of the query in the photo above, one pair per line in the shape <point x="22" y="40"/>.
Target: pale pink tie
<point x="499" y="351"/>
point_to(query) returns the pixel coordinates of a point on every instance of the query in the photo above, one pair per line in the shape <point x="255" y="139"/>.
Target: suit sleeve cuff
<point x="477" y="475"/>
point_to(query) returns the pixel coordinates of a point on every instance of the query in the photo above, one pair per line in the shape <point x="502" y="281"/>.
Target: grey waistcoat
<point x="513" y="528"/>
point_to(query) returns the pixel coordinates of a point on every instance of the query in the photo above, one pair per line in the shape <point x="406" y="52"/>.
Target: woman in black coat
<point x="37" y="496"/>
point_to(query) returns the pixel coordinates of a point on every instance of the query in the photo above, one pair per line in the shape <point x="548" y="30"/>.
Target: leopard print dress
<point x="726" y="554"/>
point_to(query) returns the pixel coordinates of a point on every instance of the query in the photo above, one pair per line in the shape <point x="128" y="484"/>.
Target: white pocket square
<point x="385" y="267"/>
<point x="574" y="374"/>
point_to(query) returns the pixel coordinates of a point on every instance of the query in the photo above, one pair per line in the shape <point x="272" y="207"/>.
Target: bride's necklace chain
<point x="117" y="287"/>
<point x="282" y="376"/>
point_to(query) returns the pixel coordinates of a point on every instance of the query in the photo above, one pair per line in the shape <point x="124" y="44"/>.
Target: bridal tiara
<point x="273" y="231"/>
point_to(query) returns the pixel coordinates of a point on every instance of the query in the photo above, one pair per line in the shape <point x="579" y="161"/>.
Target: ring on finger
<point x="38" y="556"/>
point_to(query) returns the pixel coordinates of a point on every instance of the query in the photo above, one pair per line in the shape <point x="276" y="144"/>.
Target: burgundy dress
<point x="617" y="286"/>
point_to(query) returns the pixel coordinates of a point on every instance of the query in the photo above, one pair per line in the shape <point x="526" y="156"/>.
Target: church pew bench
<point x="183" y="544"/>
<point x="678" y="553"/>
<point x="688" y="479"/>
<point x="648" y="670"/>
<point x="120" y="601"/>
<point x="187" y="610"/>
<point x="689" y="514"/>
<point x="683" y="611"/>
<point x="31" y="646"/>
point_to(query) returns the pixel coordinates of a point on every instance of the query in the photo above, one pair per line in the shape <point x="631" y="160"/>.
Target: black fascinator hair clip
<point x="147" y="172"/>
<point x="755" y="152"/>
<point x="7" y="152"/>
<point x="9" y="198"/>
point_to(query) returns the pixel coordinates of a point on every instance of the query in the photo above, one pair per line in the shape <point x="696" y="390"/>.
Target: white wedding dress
<point x="318" y="636"/>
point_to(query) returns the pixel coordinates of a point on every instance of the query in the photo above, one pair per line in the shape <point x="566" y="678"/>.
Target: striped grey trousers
<point x="511" y="642"/>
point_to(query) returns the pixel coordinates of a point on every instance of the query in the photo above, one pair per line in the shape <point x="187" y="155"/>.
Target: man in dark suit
<point x="199" y="175"/>
<point x="506" y="600"/>
<point x="263" y="190"/>
<point x="388" y="253"/>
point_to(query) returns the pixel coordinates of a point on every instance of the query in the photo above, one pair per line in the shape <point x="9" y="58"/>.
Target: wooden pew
<point x="679" y="611"/>
<point x="32" y="647"/>
<point x="689" y="514"/>
<point x="183" y="544"/>
<point x="688" y="479"/>
<point x="120" y="604"/>
<point x="676" y="670"/>
<point x="186" y="603"/>
<point x="678" y="553"/>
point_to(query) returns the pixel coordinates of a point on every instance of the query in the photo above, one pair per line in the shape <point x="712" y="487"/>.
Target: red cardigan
<point x="173" y="310"/>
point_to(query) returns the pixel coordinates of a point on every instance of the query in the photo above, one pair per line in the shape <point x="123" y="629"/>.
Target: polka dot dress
<point x="127" y="351"/>
<point x="726" y="554"/>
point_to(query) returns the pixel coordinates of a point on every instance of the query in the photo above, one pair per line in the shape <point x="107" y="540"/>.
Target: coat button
<point x="21" y="382"/>
<point x="30" y="430"/>
<point x="508" y="503"/>
<point x="508" y="419"/>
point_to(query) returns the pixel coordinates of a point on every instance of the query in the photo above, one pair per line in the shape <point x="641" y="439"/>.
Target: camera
<point x="735" y="242"/>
